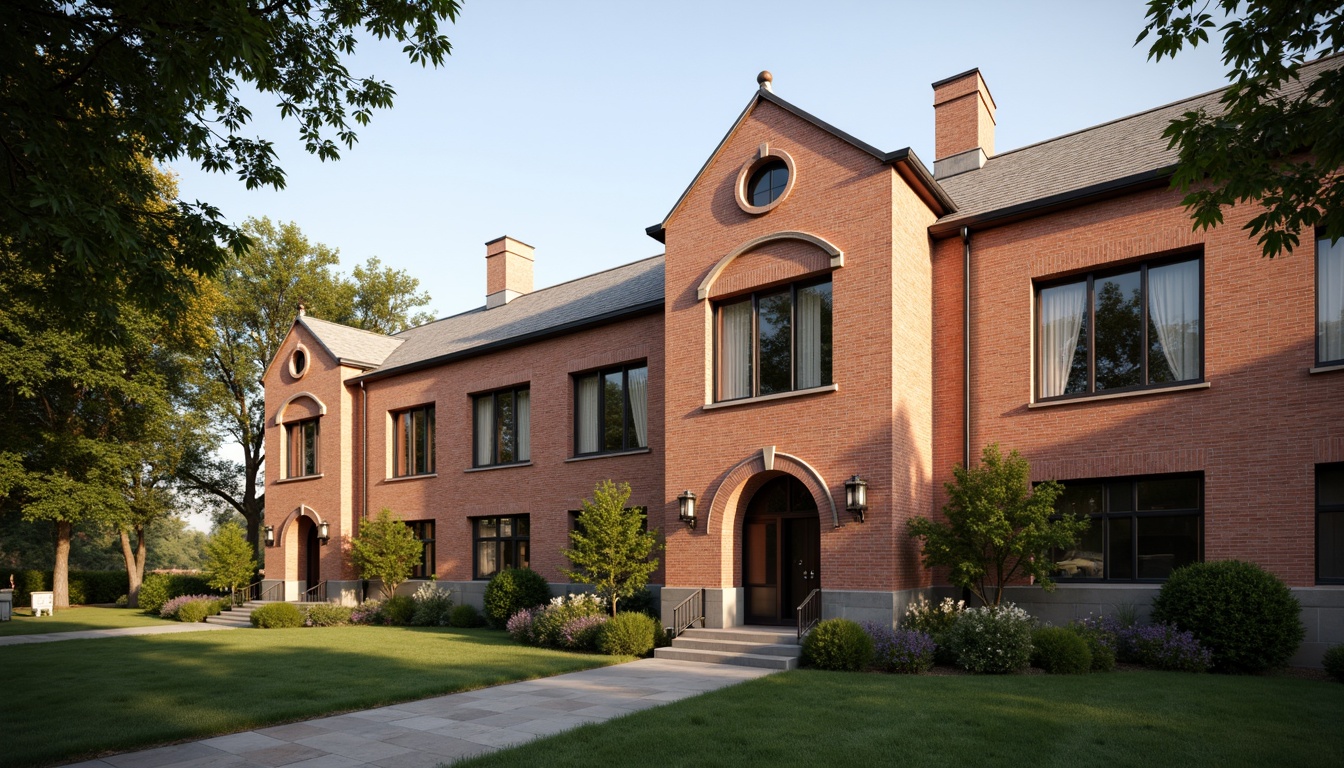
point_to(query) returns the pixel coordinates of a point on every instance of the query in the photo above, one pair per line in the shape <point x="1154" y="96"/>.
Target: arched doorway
<point x="781" y="550"/>
<point x="310" y="569"/>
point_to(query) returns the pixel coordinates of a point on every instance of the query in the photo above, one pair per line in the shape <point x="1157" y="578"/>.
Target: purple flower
<point x="901" y="650"/>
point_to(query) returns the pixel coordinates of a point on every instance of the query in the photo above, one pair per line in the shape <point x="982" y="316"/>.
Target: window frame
<point x="294" y="450"/>
<point x="1316" y="309"/>
<point x="754" y="297"/>
<point x="494" y="443"/>
<point x="514" y="539"/>
<point x="628" y="434"/>
<point x="398" y="442"/>
<point x="1090" y="278"/>
<point x="1324" y="509"/>
<point x="1134" y="515"/>
<point x="428" y="565"/>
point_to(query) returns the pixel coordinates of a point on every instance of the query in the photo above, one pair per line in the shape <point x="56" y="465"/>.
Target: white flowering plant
<point x="993" y="639"/>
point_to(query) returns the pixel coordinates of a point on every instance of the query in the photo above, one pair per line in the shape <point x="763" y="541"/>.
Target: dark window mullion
<point x="1091" y="337"/>
<point x="625" y="408"/>
<point x="755" y="347"/>
<point x="1143" y="321"/>
<point x="793" y="337"/>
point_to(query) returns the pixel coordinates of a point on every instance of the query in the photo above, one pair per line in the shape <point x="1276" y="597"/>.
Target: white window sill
<point x="768" y="398"/>
<point x="1326" y="369"/>
<point x="635" y="452"/>
<point x="1120" y="395"/>
<point x="500" y="466"/>
<point x="404" y="478"/>
<point x="283" y="480"/>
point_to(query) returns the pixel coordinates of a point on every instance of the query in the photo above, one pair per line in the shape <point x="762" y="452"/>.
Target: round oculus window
<point x="298" y="363"/>
<point x="767" y="183"/>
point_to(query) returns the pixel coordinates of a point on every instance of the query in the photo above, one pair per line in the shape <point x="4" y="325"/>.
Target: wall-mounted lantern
<point x="687" y="502"/>
<point x="270" y="536"/>
<point x="856" y="497"/>
<point x="323" y="533"/>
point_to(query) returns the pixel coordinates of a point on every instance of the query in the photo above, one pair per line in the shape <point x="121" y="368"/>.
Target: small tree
<point x="229" y="559"/>
<point x="612" y="551"/>
<point x="998" y="528"/>
<point x="386" y="549"/>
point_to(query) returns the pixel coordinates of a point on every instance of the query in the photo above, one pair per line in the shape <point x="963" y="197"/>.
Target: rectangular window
<point x="1329" y="302"/>
<point x="1115" y="331"/>
<point x="1330" y="523"/>
<point x="1142" y="528"/>
<point x="424" y="533"/>
<point x="413" y="442"/>
<point x="611" y="410"/>
<point x="499" y="542"/>
<point x="774" y="341"/>
<point x="502" y="427"/>
<point x="302" y="448"/>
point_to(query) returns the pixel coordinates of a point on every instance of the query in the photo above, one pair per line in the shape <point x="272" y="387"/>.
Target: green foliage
<point x="466" y="616"/>
<point x="159" y="588"/>
<point x="385" y="549"/>
<point x="993" y="639"/>
<point x="643" y="601"/>
<point x="277" y="616"/>
<point x="627" y="634"/>
<point x="433" y="606"/>
<point x="1333" y="661"/>
<point x="611" y="550"/>
<point x="512" y="590"/>
<point x="1242" y="613"/>
<point x="399" y="610"/>
<point x="550" y="623"/>
<point x="1100" y="646"/>
<point x="1061" y="651"/>
<point x="86" y="587"/>
<point x="998" y="529"/>
<point x="196" y="611"/>
<point x="838" y="644"/>
<point x="326" y="615"/>
<point x="229" y="559"/>
<point x="1270" y="140"/>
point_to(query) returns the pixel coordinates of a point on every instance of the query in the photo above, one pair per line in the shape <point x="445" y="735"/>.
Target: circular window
<point x="298" y="363"/>
<point x="768" y="183"/>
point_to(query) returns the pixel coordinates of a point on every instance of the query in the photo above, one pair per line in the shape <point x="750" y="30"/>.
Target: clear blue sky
<point x="573" y="126"/>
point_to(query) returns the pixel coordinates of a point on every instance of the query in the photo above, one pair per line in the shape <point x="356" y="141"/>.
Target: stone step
<point x="720" y="657"/>
<point x="758" y="635"/>
<point x="732" y="646"/>
<point x="231" y="618"/>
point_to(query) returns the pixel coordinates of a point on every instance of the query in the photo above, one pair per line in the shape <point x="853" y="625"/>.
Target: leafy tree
<point x="611" y="550"/>
<point x="386" y="549"/>
<point x="1282" y="150"/>
<point x="90" y="88"/>
<point x="229" y="560"/>
<point x="998" y="528"/>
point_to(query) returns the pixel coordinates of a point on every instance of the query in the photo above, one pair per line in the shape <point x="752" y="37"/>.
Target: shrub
<point x="1060" y="651"/>
<point x="465" y="616"/>
<point x="385" y="549"/>
<point x="368" y="612"/>
<point x="581" y="633"/>
<point x="549" y="622"/>
<point x="1334" y="662"/>
<point x="86" y="587"/>
<point x="1100" y="644"/>
<point x="159" y="588"/>
<point x="935" y="621"/>
<point x="642" y="601"/>
<point x="838" y="644"/>
<point x="169" y="609"/>
<point x="398" y="610"/>
<point x="906" y="651"/>
<point x="326" y="615"/>
<point x="123" y="601"/>
<point x="277" y="616"/>
<point x="510" y="591"/>
<point x="433" y="606"/>
<point x="992" y="639"/>
<point x="196" y="611"/>
<point x="627" y="634"/>
<point x="519" y="626"/>
<point x="1163" y="646"/>
<point x="1242" y="613"/>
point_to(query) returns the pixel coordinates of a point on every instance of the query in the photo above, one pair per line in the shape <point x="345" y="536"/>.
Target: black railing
<point x="250" y="592"/>
<point x="317" y="594"/>
<point x="688" y="611"/>
<point x="809" y="612"/>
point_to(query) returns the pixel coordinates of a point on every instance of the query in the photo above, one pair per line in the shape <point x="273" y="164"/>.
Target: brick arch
<point x="303" y="510"/>
<point x="837" y="256"/>
<point x="752" y="472"/>
<point x="293" y="400"/>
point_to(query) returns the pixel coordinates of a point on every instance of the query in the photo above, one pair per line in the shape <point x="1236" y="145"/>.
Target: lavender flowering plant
<point x="904" y="651"/>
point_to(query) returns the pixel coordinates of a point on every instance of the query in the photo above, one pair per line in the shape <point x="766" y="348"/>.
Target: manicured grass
<point x="833" y="718"/>
<point x="73" y="619"/>
<point x="69" y="700"/>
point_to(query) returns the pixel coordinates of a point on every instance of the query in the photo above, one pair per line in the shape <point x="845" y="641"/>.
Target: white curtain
<point x="588" y="417"/>
<point x="485" y="430"/>
<point x="808" y="313"/>
<point x="1330" y="300"/>
<point x="1173" y="306"/>
<point x="637" y="389"/>
<point x="522" y="404"/>
<point x="1062" y="311"/>
<point x="735" y="351"/>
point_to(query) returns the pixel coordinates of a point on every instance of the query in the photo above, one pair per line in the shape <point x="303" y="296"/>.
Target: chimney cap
<point x="764" y="79"/>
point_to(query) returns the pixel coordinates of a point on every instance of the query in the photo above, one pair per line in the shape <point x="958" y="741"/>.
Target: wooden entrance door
<point x="313" y="561"/>
<point x="781" y="551"/>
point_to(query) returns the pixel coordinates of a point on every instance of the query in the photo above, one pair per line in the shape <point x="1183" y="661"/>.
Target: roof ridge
<point x="391" y="337"/>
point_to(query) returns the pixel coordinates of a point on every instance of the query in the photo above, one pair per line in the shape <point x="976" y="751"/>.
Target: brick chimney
<point x="508" y="271"/>
<point x="963" y="116"/>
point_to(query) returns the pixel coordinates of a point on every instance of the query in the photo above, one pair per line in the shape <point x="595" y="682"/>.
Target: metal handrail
<point x="317" y="594"/>
<point x="243" y="594"/>
<point x="687" y="612"/>
<point x="809" y="612"/>
<point x="273" y="592"/>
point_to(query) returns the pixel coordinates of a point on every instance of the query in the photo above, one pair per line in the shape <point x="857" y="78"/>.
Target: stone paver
<point x="428" y="733"/>
<point x="94" y="634"/>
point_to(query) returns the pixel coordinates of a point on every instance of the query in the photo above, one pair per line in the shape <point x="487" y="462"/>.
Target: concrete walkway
<point x="426" y="733"/>
<point x="91" y="634"/>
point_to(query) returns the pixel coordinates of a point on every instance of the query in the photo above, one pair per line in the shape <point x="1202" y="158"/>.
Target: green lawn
<point x="72" y="619"/>
<point x="70" y="700"/>
<point x="831" y="718"/>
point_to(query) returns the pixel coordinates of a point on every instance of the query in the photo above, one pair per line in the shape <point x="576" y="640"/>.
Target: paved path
<point x="90" y="634"/>
<point x="426" y="733"/>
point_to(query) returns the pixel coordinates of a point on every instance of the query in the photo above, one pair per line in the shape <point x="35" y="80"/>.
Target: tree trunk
<point x="60" y="576"/>
<point x="135" y="565"/>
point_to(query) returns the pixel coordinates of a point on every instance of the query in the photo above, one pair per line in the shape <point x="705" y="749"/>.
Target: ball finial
<point x="764" y="79"/>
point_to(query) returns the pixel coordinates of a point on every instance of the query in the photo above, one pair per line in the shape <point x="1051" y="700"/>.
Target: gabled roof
<point x="624" y="291"/>
<point x="1121" y="155"/>
<point x="906" y="162"/>
<point x="351" y="346"/>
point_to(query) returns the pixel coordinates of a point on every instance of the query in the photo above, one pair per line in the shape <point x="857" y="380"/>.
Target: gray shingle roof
<point x="364" y="349"/>
<point x="1095" y="156"/>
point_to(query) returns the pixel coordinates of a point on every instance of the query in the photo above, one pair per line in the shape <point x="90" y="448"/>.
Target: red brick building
<point x="826" y="310"/>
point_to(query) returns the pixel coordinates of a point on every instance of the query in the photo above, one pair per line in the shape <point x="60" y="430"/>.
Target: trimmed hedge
<point x="1060" y="651"/>
<point x="466" y="616"/>
<point x="86" y="587"/>
<point x="627" y="634"/>
<point x="512" y="590"/>
<point x="196" y="611"/>
<point x="277" y="616"/>
<point x="838" y="644"/>
<point x="159" y="588"/>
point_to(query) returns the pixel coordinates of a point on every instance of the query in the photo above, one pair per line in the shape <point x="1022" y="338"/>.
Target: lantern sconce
<point x="687" y="502"/>
<point x="323" y="533"/>
<point x="856" y="497"/>
<point x="270" y="536"/>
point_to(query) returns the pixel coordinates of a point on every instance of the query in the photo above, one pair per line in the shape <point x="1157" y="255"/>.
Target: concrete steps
<point x="240" y="616"/>
<point x="762" y="647"/>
